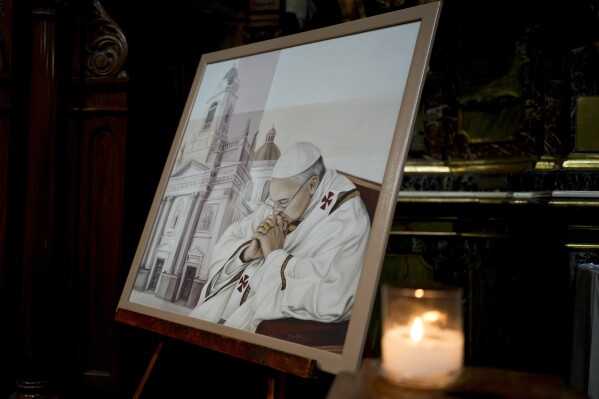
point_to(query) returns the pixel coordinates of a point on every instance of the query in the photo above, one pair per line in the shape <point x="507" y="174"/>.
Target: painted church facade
<point x="218" y="177"/>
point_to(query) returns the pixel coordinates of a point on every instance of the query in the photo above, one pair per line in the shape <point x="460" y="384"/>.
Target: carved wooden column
<point x="41" y="322"/>
<point x="69" y="262"/>
<point x="97" y="127"/>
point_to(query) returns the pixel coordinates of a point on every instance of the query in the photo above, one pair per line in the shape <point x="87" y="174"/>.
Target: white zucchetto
<point x="297" y="158"/>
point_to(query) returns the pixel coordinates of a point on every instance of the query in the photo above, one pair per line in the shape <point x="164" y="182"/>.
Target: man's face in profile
<point x="289" y="198"/>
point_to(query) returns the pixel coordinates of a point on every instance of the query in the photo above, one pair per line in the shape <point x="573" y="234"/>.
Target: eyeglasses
<point x="276" y="209"/>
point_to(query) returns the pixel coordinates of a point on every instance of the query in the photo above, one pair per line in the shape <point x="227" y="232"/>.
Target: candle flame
<point x="416" y="331"/>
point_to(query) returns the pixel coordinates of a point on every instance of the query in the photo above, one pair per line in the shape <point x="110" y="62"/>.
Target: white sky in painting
<point x="343" y="95"/>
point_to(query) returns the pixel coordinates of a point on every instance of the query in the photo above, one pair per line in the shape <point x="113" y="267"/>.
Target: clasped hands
<point x="269" y="236"/>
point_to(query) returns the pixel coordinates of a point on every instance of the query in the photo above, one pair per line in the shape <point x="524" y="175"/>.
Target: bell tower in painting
<point x="213" y="130"/>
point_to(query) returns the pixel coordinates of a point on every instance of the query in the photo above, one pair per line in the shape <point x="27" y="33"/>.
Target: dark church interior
<point x="499" y="194"/>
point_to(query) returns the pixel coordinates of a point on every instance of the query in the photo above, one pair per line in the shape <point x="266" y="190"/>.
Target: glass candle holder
<point x="423" y="336"/>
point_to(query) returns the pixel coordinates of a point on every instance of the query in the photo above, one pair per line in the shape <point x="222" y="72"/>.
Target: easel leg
<point x="276" y="386"/>
<point x="144" y="379"/>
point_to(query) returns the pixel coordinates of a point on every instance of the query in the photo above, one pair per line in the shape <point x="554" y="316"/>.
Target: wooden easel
<point x="281" y="365"/>
<point x="146" y="375"/>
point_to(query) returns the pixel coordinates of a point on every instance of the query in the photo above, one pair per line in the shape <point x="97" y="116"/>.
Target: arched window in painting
<point x="210" y="116"/>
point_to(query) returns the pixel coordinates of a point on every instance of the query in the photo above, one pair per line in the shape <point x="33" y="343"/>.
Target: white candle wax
<point x="437" y="354"/>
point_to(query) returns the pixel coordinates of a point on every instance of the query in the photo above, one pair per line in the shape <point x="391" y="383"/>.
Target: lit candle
<point x="422" y="351"/>
<point x="423" y="340"/>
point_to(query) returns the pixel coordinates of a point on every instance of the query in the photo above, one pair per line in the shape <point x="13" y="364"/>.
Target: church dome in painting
<point x="269" y="150"/>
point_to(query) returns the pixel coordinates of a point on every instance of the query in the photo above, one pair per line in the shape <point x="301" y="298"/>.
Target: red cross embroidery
<point x="243" y="282"/>
<point x="326" y="200"/>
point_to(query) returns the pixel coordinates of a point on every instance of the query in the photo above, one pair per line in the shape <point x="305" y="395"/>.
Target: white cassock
<point x="314" y="276"/>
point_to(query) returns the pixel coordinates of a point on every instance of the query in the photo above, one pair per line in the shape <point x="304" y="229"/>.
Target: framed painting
<point x="269" y="225"/>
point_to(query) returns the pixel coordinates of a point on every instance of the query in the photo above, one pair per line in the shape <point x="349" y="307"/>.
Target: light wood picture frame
<point x="353" y="91"/>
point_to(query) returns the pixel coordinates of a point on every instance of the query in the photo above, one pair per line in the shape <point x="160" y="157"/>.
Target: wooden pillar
<point x="97" y="136"/>
<point x="40" y="322"/>
<point x="73" y="190"/>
